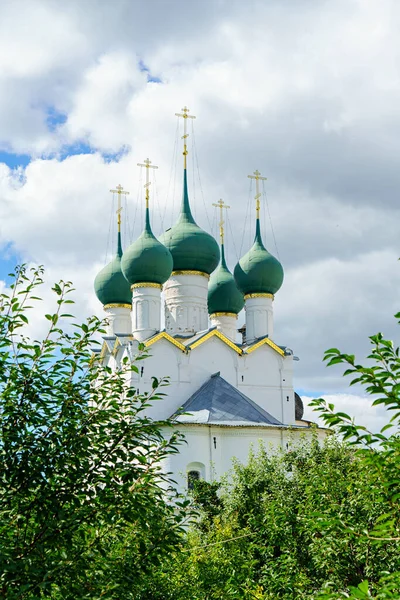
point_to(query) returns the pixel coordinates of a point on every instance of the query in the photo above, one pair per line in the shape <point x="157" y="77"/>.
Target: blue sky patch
<point x="150" y="77"/>
<point x="9" y="260"/>
<point x="54" y="118"/>
<point x="14" y="160"/>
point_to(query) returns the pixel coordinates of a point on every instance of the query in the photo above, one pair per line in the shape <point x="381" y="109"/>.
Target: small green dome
<point x="192" y="248"/>
<point x="258" y="272"/>
<point x="147" y="260"/>
<point x="110" y="285"/>
<point x="223" y="294"/>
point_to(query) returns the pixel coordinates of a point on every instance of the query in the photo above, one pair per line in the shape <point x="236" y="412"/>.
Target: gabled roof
<point x="219" y="402"/>
<point x="210" y="333"/>
<point x="187" y="344"/>
<point x="163" y="335"/>
<point x="260" y="342"/>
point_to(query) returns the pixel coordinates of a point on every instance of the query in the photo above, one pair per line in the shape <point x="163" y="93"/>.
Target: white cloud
<point x="358" y="408"/>
<point x="306" y="92"/>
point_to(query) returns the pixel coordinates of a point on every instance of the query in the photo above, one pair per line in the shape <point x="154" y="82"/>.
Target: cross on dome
<point x="119" y="190"/>
<point x="257" y="176"/>
<point x="185" y="115"/>
<point x="147" y="164"/>
<point x="221" y="205"/>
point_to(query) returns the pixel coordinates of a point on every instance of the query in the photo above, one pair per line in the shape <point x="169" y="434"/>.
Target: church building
<point x="228" y="390"/>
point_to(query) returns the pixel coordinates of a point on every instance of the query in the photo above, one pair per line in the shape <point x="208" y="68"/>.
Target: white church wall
<point x="214" y="448"/>
<point x="264" y="376"/>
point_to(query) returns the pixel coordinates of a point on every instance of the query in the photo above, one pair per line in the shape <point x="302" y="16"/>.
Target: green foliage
<point x="82" y="513"/>
<point x="318" y="521"/>
<point x="279" y="531"/>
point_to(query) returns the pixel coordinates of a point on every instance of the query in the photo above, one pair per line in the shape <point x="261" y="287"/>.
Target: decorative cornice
<point x="163" y="335"/>
<point x="218" y="334"/>
<point x="260" y="295"/>
<point x="201" y="273"/>
<point x="146" y="284"/>
<point x="223" y="314"/>
<point x="261" y="343"/>
<point x="117" y="305"/>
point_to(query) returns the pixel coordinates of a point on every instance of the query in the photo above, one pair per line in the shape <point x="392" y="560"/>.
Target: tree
<point x="319" y="521"/>
<point x="379" y="451"/>
<point x="82" y="509"/>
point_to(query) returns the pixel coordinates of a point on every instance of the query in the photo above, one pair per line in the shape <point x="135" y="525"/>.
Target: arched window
<point x="192" y="477"/>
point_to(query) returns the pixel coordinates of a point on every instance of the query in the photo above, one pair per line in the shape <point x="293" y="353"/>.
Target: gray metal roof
<point x="217" y="401"/>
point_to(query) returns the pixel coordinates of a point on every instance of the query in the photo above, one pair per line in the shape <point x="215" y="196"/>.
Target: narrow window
<point x="192" y="476"/>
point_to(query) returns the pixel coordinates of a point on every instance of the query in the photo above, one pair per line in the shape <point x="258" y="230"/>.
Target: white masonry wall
<point x="259" y="318"/>
<point x="118" y="319"/>
<point x="211" y="449"/>
<point x="186" y="304"/>
<point x="146" y="312"/>
<point x="226" y="324"/>
<point x="264" y="376"/>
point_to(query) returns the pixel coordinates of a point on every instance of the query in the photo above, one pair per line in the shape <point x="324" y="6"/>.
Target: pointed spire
<point x="221" y="205"/>
<point x="119" y="244"/>
<point x="186" y="213"/>
<point x="147" y="164"/>
<point x="192" y="248"/>
<point x="257" y="176"/>
<point x="223" y="261"/>
<point x="257" y="237"/>
<point x="110" y="285"/>
<point x="119" y="190"/>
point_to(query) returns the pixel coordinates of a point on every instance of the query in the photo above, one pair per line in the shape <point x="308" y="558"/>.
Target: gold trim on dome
<point x="145" y="284"/>
<point x="219" y="335"/>
<point x="201" y="273"/>
<point x="223" y="314"/>
<point x="117" y="305"/>
<point x="260" y="295"/>
<point x="164" y="335"/>
<point x="261" y="343"/>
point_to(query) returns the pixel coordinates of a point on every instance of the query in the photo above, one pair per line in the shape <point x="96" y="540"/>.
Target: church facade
<point x="225" y="394"/>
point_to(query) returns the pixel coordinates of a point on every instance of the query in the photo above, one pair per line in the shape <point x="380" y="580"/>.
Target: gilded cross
<point x="221" y="205"/>
<point x="257" y="176"/>
<point x="147" y="164"/>
<point x="185" y="116"/>
<point x="119" y="190"/>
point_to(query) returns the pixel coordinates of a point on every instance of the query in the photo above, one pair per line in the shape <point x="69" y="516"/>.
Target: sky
<point x="308" y="92"/>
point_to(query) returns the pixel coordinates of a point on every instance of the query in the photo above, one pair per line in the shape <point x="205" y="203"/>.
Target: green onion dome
<point x="147" y="260"/>
<point x="110" y="285"/>
<point x="258" y="272"/>
<point x="223" y="294"/>
<point x="192" y="248"/>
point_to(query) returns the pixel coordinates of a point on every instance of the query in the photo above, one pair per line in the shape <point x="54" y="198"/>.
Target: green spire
<point x="186" y="213"/>
<point x="223" y="294"/>
<point x="110" y="285"/>
<point x="147" y="260"/>
<point x="192" y="248"/>
<point x="258" y="271"/>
